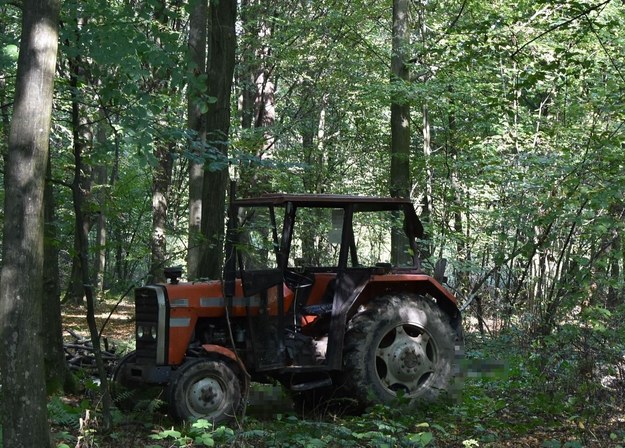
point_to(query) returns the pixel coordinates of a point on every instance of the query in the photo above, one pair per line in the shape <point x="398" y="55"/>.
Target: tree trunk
<point x="82" y="139"/>
<point x="221" y="68"/>
<point x="400" y="109"/>
<point x="100" y="177"/>
<point x="400" y="122"/>
<point x="257" y="91"/>
<point x="198" y="24"/>
<point x="99" y="262"/>
<point x="161" y="177"/>
<point x="79" y="190"/>
<point x="57" y="374"/>
<point x="160" y="192"/>
<point x="22" y="373"/>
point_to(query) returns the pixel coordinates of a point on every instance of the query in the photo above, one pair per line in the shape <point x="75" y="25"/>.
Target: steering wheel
<point x="295" y="280"/>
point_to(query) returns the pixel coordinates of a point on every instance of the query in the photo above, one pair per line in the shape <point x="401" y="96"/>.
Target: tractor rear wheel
<point x="206" y="388"/>
<point x="400" y="346"/>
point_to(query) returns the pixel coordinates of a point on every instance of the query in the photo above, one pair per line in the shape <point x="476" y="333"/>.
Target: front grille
<point x="146" y="312"/>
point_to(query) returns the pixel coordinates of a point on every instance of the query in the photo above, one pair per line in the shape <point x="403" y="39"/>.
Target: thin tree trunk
<point x="160" y="192"/>
<point x="24" y="416"/>
<point x="161" y="177"/>
<point x="100" y="176"/>
<point x="197" y="123"/>
<point x="400" y="123"/>
<point x="82" y="225"/>
<point x="57" y="374"/>
<point x="99" y="265"/>
<point x="221" y="68"/>
<point x="82" y="139"/>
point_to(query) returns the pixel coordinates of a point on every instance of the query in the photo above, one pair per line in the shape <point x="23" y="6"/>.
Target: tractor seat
<point x="322" y="309"/>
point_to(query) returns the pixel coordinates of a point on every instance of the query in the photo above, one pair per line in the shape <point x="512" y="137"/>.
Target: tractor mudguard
<point x="218" y="349"/>
<point x="409" y="282"/>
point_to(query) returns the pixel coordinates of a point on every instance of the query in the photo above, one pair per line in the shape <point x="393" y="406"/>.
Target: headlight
<point x="153" y="332"/>
<point x="140" y="331"/>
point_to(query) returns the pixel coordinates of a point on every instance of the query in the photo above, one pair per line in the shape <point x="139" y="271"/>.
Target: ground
<point x="492" y="414"/>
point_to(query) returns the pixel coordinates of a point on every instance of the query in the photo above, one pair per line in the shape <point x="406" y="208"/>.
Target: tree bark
<point x="22" y="373"/>
<point x="161" y="177"/>
<point x="82" y="136"/>
<point x="57" y="374"/>
<point x="221" y="69"/>
<point x="400" y="109"/>
<point x="100" y="178"/>
<point x="161" y="183"/>
<point x="198" y="24"/>
<point x="400" y="121"/>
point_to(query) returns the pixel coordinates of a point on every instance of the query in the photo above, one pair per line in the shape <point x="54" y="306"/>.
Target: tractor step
<point x="312" y="385"/>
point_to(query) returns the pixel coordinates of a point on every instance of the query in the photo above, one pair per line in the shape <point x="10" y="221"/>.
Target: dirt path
<point x="120" y="325"/>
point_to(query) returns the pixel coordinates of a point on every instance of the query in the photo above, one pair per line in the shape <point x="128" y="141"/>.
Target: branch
<point x="455" y="21"/>
<point x="605" y="50"/>
<point x="560" y="25"/>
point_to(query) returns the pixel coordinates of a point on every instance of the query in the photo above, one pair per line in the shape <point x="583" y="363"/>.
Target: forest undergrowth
<point x="517" y="390"/>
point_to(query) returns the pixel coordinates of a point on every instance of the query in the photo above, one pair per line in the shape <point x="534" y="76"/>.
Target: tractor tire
<point x="207" y="388"/>
<point x="400" y="346"/>
<point x="129" y="394"/>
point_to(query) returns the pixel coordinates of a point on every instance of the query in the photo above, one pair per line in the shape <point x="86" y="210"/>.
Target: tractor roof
<point x="361" y="203"/>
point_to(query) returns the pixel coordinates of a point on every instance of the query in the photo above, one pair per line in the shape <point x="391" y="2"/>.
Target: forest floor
<point x="506" y="401"/>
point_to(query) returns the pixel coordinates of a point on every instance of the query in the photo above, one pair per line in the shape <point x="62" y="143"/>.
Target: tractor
<point x="323" y="294"/>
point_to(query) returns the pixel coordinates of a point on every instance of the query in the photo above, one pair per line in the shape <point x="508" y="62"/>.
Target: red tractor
<point x="309" y="298"/>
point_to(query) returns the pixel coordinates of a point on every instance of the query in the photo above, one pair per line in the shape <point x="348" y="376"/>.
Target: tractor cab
<point x="324" y="249"/>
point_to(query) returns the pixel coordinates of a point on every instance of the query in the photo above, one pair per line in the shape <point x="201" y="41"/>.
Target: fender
<point x="417" y="283"/>
<point x="218" y="349"/>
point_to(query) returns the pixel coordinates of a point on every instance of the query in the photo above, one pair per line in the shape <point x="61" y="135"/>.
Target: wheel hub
<point x="206" y="395"/>
<point x="405" y="358"/>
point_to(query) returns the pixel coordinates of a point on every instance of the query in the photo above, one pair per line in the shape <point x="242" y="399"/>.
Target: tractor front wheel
<point x="207" y="388"/>
<point x="399" y="346"/>
<point x="129" y="393"/>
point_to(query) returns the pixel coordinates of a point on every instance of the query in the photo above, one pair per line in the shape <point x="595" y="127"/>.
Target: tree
<point x="221" y="60"/>
<point x="82" y="140"/>
<point x="256" y="97"/>
<point x="21" y="281"/>
<point x="58" y="375"/>
<point x="196" y="119"/>
<point x="163" y="148"/>
<point x="400" y="117"/>
<point x="400" y="108"/>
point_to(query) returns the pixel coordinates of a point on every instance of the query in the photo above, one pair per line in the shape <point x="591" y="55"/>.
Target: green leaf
<point x="205" y="439"/>
<point x="551" y="444"/>
<point x="573" y="444"/>
<point x="422" y="438"/>
<point x="11" y="52"/>
<point x="201" y="424"/>
<point x="170" y="433"/>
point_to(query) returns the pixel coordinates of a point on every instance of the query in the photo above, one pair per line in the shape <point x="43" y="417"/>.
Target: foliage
<point x="516" y="391"/>
<point x="515" y="388"/>
<point x="524" y="107"/>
